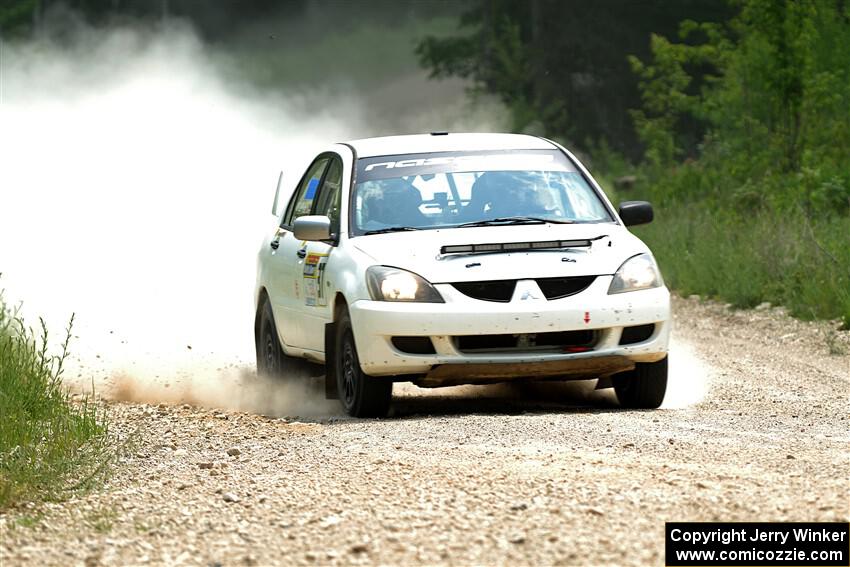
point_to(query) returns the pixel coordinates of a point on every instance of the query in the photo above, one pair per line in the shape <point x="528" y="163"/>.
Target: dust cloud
<point x="688" y="376"/>
<point x="236" y="390"/>
<point x="135" y="188"/>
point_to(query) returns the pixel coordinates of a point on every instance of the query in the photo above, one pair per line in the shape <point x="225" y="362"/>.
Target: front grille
<point x="556" y="288"/>
<point x="414" y="345"/>
<point x="503" y="290"/>
<point x="637" y="334"/>
<point x="495" y="290"/>
<point x="561" y="341"/>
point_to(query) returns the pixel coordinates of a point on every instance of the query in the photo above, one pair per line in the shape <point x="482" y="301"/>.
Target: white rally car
<point x="448" y="259"/>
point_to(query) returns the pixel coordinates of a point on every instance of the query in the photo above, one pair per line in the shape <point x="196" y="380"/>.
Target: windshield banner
<point x="386" y="167"/>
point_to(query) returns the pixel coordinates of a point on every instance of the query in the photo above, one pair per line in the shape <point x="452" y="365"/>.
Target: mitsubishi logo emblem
<point x="527" y="290"/>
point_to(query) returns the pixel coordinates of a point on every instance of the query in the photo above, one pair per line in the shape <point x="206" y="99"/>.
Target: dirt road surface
<point x="476" y="478"/>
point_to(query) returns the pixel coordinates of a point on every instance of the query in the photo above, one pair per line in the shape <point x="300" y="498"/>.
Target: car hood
<point x="420" y="252"/>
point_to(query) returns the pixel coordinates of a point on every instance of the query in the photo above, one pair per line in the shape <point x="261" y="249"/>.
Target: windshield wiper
<point x="390" y="229"/>
<point x="514" y="220"/>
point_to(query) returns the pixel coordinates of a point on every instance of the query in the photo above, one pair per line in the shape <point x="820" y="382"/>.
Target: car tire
<point x="271" y="360"/>
<point x="361" y="395"/>
<point x="643" y="387"/>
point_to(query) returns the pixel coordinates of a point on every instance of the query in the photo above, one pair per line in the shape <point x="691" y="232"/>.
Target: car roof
<point x="442" y="142"/>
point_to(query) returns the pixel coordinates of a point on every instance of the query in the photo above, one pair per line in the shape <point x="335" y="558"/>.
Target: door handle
<point x="274" y="244"/>
<point x="302" y="253"/>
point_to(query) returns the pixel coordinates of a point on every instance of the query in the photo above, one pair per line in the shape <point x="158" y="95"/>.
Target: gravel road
<point x="480" y="476"/>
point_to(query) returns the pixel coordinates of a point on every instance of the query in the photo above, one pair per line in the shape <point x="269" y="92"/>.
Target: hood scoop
<point x="518" y="246"/>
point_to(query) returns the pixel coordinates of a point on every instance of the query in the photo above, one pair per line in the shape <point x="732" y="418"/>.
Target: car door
<point x="287" y="257"/>
<point x="315" y="309"/>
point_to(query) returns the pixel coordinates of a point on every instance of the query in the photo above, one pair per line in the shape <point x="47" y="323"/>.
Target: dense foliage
<point x="762" y="213"/>
<point x="561" y="67"/>
<point x="776" y="102"/>
<point x="743" y="127"/>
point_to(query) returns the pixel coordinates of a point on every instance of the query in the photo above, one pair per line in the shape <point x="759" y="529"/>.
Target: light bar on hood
<point x="514" y="246"/>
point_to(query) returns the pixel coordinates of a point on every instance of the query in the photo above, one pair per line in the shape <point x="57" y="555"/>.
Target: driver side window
<point x="302" y="201"/>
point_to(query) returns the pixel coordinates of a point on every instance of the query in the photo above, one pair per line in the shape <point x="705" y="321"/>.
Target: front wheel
<point x="643" y="387"/>
<point x="361" y="395"/>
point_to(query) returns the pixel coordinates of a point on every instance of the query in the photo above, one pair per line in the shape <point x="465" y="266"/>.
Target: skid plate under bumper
<point x="487" y="373"/>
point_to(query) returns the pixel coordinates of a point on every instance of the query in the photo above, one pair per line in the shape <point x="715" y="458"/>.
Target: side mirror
<point x="635" y="212"/>
<point x="312" y="227"/>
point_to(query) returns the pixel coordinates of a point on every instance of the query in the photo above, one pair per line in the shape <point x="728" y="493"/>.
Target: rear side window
<point x="302" y="201"/>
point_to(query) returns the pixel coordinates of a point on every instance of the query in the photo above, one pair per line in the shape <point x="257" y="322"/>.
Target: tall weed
<point x="49" y="443"/>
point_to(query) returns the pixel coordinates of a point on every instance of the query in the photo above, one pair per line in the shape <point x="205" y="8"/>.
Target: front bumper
<point x="375" y="323"/>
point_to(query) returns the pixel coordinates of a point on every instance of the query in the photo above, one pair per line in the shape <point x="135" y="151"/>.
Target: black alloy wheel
<point x="361" y="395"/>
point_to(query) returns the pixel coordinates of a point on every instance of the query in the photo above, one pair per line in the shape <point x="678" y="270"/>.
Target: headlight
<point x="638" y="272"/>
<point x="394" y="284"/>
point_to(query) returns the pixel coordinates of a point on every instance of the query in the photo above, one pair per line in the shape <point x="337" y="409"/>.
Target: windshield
<point x="456" y="189"/>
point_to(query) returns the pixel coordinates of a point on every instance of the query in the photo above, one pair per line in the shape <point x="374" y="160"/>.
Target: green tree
<point x="561" y="67"/>
<point x="775" y="97"/>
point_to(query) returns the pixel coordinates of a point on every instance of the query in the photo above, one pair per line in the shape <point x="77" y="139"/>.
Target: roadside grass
<point x="750" y="259"/>
<point x="747" y="256"/>
<point x="50" y="445"/>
